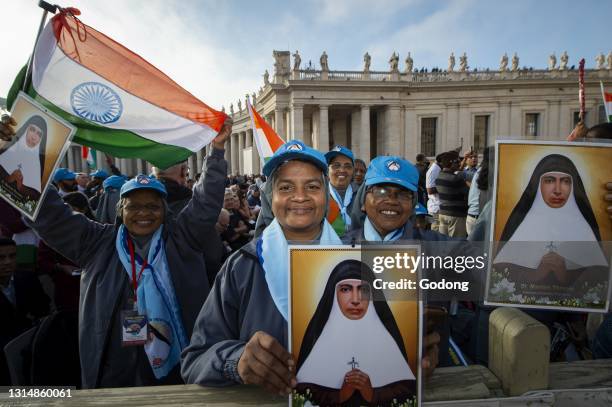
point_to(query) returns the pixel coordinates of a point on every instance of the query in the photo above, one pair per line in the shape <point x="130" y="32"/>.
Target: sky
<point x="218" y="50"/>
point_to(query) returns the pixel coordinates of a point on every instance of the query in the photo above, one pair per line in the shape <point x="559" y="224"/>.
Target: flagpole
<point x="603" y="96"/>
<point x="48" y="8"/>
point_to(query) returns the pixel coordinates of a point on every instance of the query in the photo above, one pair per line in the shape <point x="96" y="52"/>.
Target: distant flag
<point x="120" y="103"/>
<point x="607" y="98"/>
<point x="89" y="154"/>
<point x="265" y="137"/>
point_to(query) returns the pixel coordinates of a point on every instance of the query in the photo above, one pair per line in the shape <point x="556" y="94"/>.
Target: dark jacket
<point x="104" y="282"/>
<point x="177" y="199"/>
<point x="238" y="306"/>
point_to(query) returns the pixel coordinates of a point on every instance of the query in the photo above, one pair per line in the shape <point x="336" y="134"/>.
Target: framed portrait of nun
<point x="551" y="231"/>
<point x="28" y="161"/>
<point x="351" y="345"/>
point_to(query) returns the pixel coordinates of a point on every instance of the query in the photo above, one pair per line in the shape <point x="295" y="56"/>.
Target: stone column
<point x="234" y="153"/>
<point x="123" y="167"/>
<point x="140" y="168"/>
<point x="241" y="137"/>
<point x="307" y="134"/>
<point x="70" y="155"/>
<point x="279" y="120"/>
<point x="554" y="119"/>
<point x="466" y="132"/>
<point x="517" y="123"/>
<point x="255" y="155"/>
<point x="101" y="160"/>
<point x="323" y="144"/>
<point x="410" y="131"/>
<point x="191" y="162"/>
<point x="297" y="122"/>
<point x="356" y="133"/>
<point x="503" y="121"/>
<point x="449" y="139"/>
<point x="200" y="158"/>
<point x="391" y="138"/>
<point x="364" y="134"/>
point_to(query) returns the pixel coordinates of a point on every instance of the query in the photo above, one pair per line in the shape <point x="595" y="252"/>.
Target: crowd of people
<point x="204" y="259"/>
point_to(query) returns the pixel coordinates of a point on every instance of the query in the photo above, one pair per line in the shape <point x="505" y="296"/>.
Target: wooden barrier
<point x="571" y="384"/>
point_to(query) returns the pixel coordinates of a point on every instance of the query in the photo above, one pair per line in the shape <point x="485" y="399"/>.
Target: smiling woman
<point x="298" y="200"/>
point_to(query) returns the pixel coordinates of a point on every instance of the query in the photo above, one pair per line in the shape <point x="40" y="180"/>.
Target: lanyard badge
<point x="134" y="326"/>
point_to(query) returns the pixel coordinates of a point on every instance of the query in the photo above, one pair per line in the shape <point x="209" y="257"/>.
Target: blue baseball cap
<point x="295" y="150"/>
<point x="420" y="210"/>
<point x="63" y="174"/>
<point x="339" y="150"/>
<point x="392" y="170"/>
<point x="114" y="181"/>
<point x="143" y="182"/>
<point x="99" y="174"/>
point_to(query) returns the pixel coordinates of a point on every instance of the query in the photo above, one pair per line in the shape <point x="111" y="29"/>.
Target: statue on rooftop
<point x="503" y="63"/>
<point x="323" y="61"/>
<point x="451" y="62"/>
<point x="409" y="63"/>
<point x="366" y="62"/>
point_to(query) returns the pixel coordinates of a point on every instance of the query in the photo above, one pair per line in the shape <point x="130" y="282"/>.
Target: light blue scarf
<point x="371" y="234"/>
<point x="343" y="204"/>
<point x="157" y="300"/>
<point x="273" y="254"/>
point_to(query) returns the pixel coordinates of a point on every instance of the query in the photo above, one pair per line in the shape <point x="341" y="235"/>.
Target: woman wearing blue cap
<point x="143" y="279"/>
<point x="241" y="333"/>
<point x="387" y="205"/>
<point x="106" y="210"/>
<point x="341" y="167"/>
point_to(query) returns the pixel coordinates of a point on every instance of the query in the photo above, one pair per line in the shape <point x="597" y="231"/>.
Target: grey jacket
<point x="104" y="282"/>
<point x="238" y="306"/>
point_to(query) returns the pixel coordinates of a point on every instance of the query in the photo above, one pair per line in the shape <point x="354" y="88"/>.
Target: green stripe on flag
<point x="118" y="143"/>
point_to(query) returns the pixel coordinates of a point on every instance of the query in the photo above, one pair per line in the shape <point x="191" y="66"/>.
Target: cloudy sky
<point x="219" y="50"/>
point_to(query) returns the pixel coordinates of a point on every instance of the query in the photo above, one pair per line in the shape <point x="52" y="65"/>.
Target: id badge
<point x="133" y="328"/>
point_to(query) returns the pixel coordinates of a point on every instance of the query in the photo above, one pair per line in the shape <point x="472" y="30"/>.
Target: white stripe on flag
<point x="266" y="150"/>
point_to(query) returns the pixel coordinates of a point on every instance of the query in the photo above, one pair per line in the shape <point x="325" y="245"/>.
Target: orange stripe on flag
<point x="273" y="139"/>
<point x="333" y="210"/>
<point x="608" y="96"/>
<point x="115" y="63"/>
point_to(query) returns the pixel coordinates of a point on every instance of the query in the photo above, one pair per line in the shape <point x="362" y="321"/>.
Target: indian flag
<point x="89" y="154"/>
<point x="120" y="103"/>
<point x="265" y="137"/>
<point x="607" y="97"/>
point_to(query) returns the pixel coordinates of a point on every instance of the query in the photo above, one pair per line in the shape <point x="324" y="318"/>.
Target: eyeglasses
<point x="338" y="166"/>
<point x="386" y="192"/>
<point x="144" y="208"/>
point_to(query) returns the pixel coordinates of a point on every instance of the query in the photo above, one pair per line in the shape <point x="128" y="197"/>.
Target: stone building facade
<point x="403" y="111"/>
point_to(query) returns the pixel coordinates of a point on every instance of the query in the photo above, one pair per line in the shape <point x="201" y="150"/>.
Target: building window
<point x="481" y="133"/>
<point x="532" y="124"/>
<point x="576" y="118"/>
<point x="428" y="136"/>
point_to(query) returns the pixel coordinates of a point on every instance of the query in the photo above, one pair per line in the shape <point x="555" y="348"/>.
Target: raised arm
<point x="197" y="220"/>
<point x="72" y="235"/>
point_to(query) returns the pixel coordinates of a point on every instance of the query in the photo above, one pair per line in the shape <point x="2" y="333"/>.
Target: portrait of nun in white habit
<point x="552" y="235"/>
<point x="22" y="161"/>
<point x="352" y="352"/>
